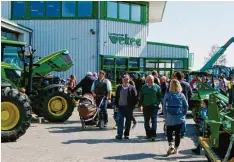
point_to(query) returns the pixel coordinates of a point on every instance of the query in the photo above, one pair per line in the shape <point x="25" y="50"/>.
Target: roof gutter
<point x="15" y="25"/>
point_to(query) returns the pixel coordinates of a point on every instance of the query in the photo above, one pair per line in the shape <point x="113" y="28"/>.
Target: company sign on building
<point x="124" y="39"/>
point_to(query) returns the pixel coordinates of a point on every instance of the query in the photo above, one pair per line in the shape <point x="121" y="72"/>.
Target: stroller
<point x="89" y="113"/>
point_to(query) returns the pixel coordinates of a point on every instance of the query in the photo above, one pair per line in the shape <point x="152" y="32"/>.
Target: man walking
<point x="126" y="99"/>
<point x="156" y="79"/>
<point x="150" y="97"/>
<point x="164" y="89"/>
<point x="102" y="88"/>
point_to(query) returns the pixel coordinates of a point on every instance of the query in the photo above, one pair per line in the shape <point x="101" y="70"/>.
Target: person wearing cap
<point x="102" y="88"/>
<point x="95" y="75"/>
<point x="85" y="84"/>
<point x="126" y="99"/>
<point x="150" y="97"/>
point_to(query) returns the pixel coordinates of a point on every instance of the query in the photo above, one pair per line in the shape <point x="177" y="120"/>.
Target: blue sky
<point x="198" y="25"/>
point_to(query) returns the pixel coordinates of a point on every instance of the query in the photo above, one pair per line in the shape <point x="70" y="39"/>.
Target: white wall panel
<point x="161" y="51"/>
<point x="133" y="31"/>
<point x="74" y="35"/>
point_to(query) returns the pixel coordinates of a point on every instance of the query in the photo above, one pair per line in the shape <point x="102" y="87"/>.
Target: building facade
<point x="107" y="35"/>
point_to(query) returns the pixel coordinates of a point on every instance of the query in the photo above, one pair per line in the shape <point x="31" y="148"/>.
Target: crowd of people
<point x="173" y="94"/>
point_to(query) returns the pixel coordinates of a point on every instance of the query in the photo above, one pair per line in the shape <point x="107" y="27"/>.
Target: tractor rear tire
<point x="57" y="106"/>
<point x="14" y="105"/>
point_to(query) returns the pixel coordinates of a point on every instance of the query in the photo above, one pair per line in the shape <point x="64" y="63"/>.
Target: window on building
<point x="112" y="9"/>
<point x="36" y="9"/>
<point x="150" y="65"/>
<point x="121" y="61"/>
<point x="53" y="9"/>
<point x="124" y="11"/>
<point x="161" y="65"/>
<point x="136" y="12"/>
<point x="128" y="11"/>
<point x="19" y="9"/>
<point x="133" y="62"/>
<point x="108" y="61"/>
<point x="85" y="9"/>
<point x="68" y="8"/>
<point x="168" y="65"/>
<point x="178" y="64"/>
<point x="9" y="34"/>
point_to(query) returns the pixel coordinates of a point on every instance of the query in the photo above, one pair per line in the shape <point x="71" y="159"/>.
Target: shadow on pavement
<point x="131" y="157"/>
<point x="62" y="123"/>
<point x="174" y="157"/>
<point x="194" y="161"/>
<point x="141" y="156"/>
<point x="96" y="141"/>
<point x="64" y="129"/>
<point x="160" y="137"/>
<point x="72" y="129"/>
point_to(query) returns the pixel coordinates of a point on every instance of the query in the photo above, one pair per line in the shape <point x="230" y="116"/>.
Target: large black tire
<point x="46" y="111"/>
<point x="22" y="104"/>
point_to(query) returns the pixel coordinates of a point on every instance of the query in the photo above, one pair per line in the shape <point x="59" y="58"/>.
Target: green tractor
<point x="218" y="138"/>
<point x="15" y="109"/>
<point x="201" y="91"/>
<point x="47" y="93"/>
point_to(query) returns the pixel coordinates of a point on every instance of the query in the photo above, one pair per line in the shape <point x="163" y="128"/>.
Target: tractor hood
<point x="58" y="61"/>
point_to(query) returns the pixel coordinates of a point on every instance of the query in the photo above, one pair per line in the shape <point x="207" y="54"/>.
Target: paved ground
<point x="67" y="143"/>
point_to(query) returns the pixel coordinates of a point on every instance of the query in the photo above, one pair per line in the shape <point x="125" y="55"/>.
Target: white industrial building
<point x="107" y="35"/>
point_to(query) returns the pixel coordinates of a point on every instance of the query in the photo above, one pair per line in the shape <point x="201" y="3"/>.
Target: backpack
<point x="174" y="104"/>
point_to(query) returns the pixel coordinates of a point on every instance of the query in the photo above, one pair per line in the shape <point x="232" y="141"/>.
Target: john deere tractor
<point x="46" y="93"/>
<point x="15" y="106"/>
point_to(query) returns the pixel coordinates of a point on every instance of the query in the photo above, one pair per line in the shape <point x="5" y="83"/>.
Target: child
<point x="71" y="83"/>
<point x="203" y="114"/>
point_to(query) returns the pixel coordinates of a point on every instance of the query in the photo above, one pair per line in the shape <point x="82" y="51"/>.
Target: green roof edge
<point x="168" y="45"/>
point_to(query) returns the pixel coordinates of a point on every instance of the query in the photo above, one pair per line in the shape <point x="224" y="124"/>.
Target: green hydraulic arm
<point x="216" y="56"/>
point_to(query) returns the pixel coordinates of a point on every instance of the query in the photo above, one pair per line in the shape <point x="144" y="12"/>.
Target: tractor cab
<point x="11" y="63"/>
<point x="10" y="52"/>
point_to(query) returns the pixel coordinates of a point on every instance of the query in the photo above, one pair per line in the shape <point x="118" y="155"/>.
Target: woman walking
<point x="175" y="107"/>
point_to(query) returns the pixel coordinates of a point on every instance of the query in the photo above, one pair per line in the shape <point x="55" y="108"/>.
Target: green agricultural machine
<point x="208" y="70"/>
<point x="15" y="106"/>
<point x="45" y="93"/>
<point x="219" y="130"/>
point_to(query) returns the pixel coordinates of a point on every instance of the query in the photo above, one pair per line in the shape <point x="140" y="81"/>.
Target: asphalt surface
<point x="66" y="142"/>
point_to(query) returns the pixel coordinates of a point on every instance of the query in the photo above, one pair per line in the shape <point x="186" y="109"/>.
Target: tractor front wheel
<point x="15" y="113"/>
<point x="57" y="106"/>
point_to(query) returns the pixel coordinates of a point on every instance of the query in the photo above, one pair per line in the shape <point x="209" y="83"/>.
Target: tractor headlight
<point x="18" y="72"/>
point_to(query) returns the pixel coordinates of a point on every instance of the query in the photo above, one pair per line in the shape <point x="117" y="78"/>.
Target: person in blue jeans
<point x="102" y="88"/>
<point x="126" y="99"/>
<point x="150" y="97"/>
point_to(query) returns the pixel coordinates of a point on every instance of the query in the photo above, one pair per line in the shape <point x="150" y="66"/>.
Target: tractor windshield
<point x="10" y="55"/>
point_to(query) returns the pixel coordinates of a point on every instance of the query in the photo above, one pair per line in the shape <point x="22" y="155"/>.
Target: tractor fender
<point x="52" y="86"/>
